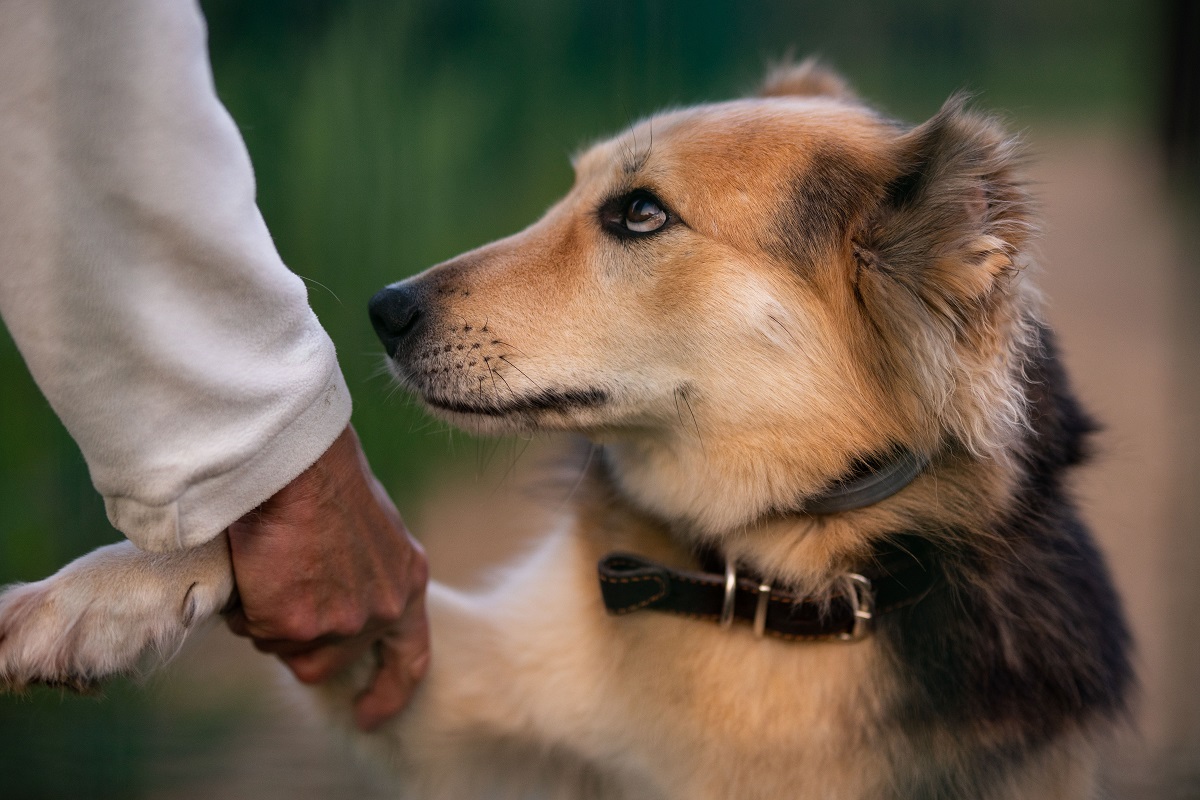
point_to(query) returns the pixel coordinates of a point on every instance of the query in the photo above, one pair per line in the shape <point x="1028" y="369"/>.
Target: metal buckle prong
<point x="730" y="594"/>
<point x="760" y="610"/>
<point x="864" y="607"/>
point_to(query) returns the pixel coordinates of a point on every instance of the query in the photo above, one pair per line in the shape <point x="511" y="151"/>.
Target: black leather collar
<point x="903" y="571"/>
<point x="896" y="577"/>
<point x="870" y="482"/>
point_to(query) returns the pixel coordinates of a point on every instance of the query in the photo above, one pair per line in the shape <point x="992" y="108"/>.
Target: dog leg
<point x="109" y="613"/>
<point x="514" y="704"/>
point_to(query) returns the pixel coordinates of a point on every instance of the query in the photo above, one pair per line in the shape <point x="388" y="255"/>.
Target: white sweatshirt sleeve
<point x="136" y="274"/>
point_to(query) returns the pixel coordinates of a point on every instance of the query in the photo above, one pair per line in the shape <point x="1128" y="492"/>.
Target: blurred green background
<point x="388" y="136"/>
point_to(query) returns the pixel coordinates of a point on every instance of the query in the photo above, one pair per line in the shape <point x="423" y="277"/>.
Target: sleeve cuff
<point x="209" y="506"/>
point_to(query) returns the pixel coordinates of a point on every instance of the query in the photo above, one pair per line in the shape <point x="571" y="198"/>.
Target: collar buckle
<point x="864" y="608"/>
<point x="762" y="600"/>
<point x="727" y="603"/>
<point x="861" y="592"/>
<point x="760" y="608"/>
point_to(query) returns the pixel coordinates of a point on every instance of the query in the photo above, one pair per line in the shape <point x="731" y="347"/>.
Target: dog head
<point x="742" y="299"/>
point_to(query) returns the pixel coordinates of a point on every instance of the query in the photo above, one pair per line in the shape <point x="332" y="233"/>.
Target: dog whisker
<point x="496" y="373"/>
<point x="683" y="394"/>
<point x="503" y="343"/>
<point x="583" y="471"/>
<point x="518" y="369"/>
<point x="784" y="328"/>
<point x="525" y="446"/>
<point x="316" y="282"/>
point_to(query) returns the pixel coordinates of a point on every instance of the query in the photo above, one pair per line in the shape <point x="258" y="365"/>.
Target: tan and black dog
<point x="837" y="558"/>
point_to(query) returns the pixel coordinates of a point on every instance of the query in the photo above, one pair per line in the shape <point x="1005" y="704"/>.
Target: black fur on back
<point x="1024" y="639"/>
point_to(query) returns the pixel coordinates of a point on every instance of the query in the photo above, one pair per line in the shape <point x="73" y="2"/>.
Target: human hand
<point x="326" y="570"/>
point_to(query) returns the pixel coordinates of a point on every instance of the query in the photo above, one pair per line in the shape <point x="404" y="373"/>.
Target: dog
<point x="822" y="545"/>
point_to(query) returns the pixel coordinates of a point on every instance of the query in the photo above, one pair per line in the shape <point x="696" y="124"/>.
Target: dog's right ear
<point x="809" y="78"/>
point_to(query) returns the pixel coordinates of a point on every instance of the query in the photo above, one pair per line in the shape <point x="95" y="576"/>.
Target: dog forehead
<point x="750" y="137"/>
<point x="731" y="166"/>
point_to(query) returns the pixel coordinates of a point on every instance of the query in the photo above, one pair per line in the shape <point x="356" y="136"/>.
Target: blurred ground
<point x="1114" y="275"/>
<point x="1124" y="303"/>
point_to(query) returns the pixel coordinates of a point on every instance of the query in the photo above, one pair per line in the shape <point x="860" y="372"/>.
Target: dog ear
<point x="809" y="78"/>
<point x="956" y="216"/>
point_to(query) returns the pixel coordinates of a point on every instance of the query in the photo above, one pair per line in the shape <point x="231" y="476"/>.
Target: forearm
<point x="138" y="278"/>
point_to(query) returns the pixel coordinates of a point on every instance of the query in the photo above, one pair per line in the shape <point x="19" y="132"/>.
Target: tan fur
<point x="748" y="361"/>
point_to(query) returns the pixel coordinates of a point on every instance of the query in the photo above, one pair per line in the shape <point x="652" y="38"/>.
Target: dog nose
<point x="395" y="312"/>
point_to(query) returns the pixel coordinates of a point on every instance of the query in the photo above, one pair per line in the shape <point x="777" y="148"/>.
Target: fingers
<point x="391" y="688"/>
<point x="319" y="664"/>
<point x="403" y="662"/>
<point x="326" y="569"/>
<point x="268" y="639"/>
<point x="402" y="652"/>
<point x="403" y="656"/>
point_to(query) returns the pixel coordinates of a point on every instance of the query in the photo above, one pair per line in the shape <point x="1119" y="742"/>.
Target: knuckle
<point x="347" y="622"/>
<point x="390" y="607"/>
<point x="417" y="578"/>
<point x="419" y="568"/>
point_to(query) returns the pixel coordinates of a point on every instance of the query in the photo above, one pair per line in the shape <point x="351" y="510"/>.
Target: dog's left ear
<point x="956" y="215"/>
<point x="809" y="78"/>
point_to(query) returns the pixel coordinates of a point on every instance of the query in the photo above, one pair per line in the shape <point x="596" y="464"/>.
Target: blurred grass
<point x="389" y="136"/>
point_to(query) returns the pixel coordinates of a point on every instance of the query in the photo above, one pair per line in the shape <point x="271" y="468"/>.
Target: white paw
<point x="113" y="611"/>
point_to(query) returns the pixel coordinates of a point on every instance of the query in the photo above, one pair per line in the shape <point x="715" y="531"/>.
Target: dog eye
<point x="643" y="214"/>
<point x="637" y="213"/>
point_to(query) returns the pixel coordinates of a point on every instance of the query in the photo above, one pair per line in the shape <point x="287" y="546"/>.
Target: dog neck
<point x="707" y="497"/>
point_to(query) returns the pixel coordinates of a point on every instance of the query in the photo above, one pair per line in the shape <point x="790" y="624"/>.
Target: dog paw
<point x="115" y="611"/>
